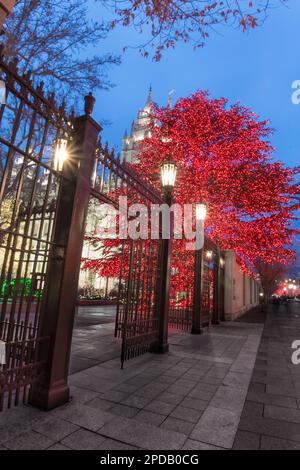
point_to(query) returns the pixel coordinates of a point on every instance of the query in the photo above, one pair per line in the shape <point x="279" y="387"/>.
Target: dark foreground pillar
<point x="58" y="310"/>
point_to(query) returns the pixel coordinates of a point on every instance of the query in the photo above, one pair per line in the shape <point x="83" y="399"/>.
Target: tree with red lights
<point x="225" y="158"/>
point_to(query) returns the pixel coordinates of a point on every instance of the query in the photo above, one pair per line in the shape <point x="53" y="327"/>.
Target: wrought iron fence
<point x="181" y="312"/>
<point x="139" y="260"/>
<point x="30" y="122"/>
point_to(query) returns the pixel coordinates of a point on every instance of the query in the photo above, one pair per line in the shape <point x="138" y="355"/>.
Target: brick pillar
<point x="6" y="7"/>
<point x="61" y="286"/>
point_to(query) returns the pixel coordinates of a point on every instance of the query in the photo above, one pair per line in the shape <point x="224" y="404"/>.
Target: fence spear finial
<point x="89" y="102"/>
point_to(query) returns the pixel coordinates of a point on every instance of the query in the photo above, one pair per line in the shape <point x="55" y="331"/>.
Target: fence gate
<point x="29" y="186"/>
<point x="139" y="260"/>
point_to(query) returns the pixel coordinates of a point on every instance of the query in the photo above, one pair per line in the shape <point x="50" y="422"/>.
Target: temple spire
<point x="170" y="94"/>
<point x="149" y="98"/>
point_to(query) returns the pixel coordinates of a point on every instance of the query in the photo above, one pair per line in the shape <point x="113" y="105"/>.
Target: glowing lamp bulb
<point x="201" y="211"/>
<point x="168" y="171"/>
<point x="60" y="154"/>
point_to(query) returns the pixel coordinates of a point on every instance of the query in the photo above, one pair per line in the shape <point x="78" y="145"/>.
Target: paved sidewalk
<point x="271" y="415"/>
<point x="93" y="337"/>
<point x="191" y="398"/>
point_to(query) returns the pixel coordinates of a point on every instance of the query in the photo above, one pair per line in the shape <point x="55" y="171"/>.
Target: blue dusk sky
<point x="255" y="68"/>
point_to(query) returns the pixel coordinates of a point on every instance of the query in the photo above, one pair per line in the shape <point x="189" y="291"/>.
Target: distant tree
<point x="53" y="39"/>
<point x="271" y="275"/>
<point x="172" y="21"/>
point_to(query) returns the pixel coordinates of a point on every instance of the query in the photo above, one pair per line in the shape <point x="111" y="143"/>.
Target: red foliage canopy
<point x="224" y="158"/>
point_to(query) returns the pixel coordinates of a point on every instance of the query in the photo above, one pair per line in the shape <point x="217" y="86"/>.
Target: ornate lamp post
<point x="201" y="212"/>
<point x="168" y="171"/>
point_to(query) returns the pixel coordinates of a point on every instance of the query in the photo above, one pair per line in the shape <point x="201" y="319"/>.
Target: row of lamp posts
<point x="168" y="170"/>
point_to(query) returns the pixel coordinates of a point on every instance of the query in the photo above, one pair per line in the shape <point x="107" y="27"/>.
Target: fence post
<point x="60" y="295"/>
<point x="216" y="290"/>
<point x="163" y="287"/>
<point x="197" y="299"/>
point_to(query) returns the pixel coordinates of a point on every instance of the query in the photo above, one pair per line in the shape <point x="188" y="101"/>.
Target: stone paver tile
<point x="270" y="399"/>
<point x="160" y="407"/>
<point x="174" y="424"/>
<point x="150" y="417"/>
<point x="196" y="445"/>
<point x="252" y="409"/>
<point x="178" y="390"/>
<point x="110" y="444"/>
<point x="55" y="429"/>
<point x="205" y="387"/>
<point x="229" y="398"/>
<point x="136" y="401"/>
<point x="279" y="412"/>
<point x="100" y="404"/>
<point x="123" y="410"/>
<point x="237" y="380"/>
<point x="201" y="394"/>
<point x="217" y="427"/>
<point x="271" y="427"/>
<point x="257" y="387"/>
<point x="170" y="398"/>
<point x="58" y="446"/>
<point x="212" y="380"/>
<point x="83" y="440"/>
<point x="83" y="415"/>
<point x="216" y="373"/>
<point x="194" y="403"/>
<point x="126" y="387"/>
<point x="82" y="395"/>
<point x="187" y="414"/>
<point x="90" y="382"/>
<point x="115" y="396"/>
<point x="283" y="389"/>
<point x="11" y="431"/>
<point x="148" y="392"/>
<point x="142" y="435"/>
<point x="246" y="441"/>
<point x="272" y="443"/>
<point x="30" y="440"/>
<point x="185" y="384"/>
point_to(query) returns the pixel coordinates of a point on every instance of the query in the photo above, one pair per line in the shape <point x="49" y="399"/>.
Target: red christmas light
<point x="225" y="158"/>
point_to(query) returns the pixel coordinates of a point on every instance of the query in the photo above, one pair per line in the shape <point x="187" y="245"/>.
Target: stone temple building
<point x="139" y="130"/>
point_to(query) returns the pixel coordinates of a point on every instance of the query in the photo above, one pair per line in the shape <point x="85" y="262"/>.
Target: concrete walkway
<point x="271" y="415"/>
<point x="191" y="398"/>
<point x="93" y="337"/>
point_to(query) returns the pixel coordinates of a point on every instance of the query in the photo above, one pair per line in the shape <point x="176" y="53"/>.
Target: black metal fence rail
<point x="30" y="123"/>
<point x="181" y="318"/>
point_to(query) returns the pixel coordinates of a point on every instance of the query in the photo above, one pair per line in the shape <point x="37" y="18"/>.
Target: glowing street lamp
<point x="201" y="211"/>
<point x="60" y="153"/>
<point x="168" y="171"/>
